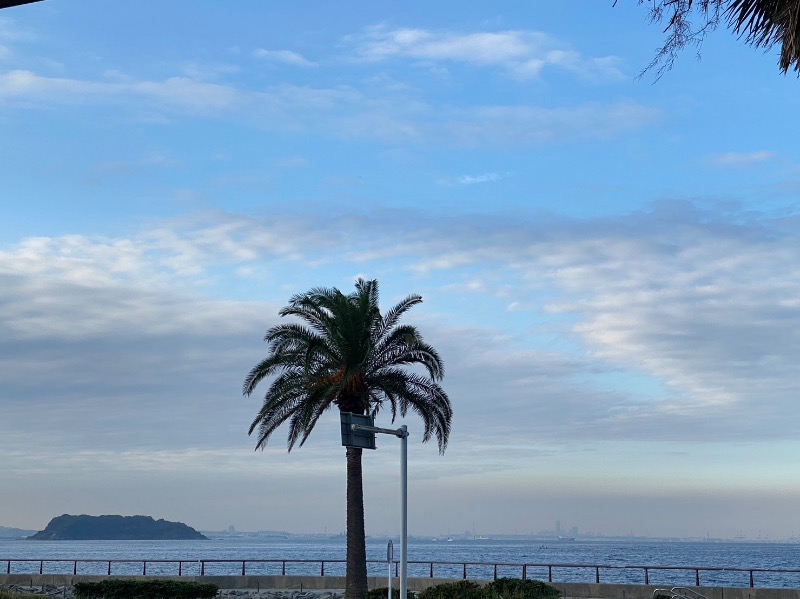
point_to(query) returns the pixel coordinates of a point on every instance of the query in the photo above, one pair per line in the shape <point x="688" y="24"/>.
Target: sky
<point x="609" y="261"/>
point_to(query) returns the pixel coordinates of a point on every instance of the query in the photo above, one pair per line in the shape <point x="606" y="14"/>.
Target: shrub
<point x="502" y="588"/>
<point x="463" y="589"/>
<point x="145" y="589"/>
<point x="516" y="588"/>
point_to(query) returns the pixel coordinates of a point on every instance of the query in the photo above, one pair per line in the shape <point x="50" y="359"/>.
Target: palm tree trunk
<point x="356" y="578"/>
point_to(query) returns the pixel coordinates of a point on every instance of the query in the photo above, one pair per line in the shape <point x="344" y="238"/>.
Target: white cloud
<point x="187" y="93"/>
<point x="285" y="57"/>
<point x="522" y="53"/>
<point x="12" y="31"/>
<point x="509" y="126"/>
<point x="204" y="72"/>
<point x="513" y="126"/>
<point x="483" y="48"/>
<point x="741" y="158"/>
<point x="473" y="179"/>
<point x="695" y="309"/>
<point x="175" y="92"/>
<point x="341" y="112"/>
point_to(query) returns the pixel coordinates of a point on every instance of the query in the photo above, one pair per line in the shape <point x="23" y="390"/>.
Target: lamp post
<point x="402" y="434"/>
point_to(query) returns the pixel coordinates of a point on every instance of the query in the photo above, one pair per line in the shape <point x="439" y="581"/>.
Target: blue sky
<point x="608" y="261"/>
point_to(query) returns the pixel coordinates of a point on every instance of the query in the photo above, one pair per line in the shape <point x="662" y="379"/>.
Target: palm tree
<point x="764" y="23"/>
<point x="761" y="23"/>
<point x="344" y="353"/>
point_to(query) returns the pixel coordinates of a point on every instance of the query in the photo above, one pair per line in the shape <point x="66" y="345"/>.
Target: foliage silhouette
<point x="345" y="354"/>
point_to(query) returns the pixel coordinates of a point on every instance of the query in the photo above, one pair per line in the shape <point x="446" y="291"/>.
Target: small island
<point x="114" y="528"/>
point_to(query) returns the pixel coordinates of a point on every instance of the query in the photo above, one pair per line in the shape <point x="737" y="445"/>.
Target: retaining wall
<point x="569" y="589"/>
<point x="309" y="583"/>
<point x="637" y="591"/>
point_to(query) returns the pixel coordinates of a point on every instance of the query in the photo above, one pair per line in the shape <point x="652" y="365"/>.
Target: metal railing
<point x="608" y="573"/>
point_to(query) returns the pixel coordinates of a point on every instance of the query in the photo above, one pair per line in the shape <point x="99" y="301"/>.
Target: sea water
<point x="623" y="560"/>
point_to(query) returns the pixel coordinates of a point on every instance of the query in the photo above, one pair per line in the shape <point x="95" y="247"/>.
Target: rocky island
<point x="114" y="528"/>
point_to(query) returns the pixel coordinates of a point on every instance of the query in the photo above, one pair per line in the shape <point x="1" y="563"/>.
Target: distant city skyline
<point x="557" y="533"/>
<point x="9" y="532"/>
<point x="608" y="263"/>
<point x="541" y="534"/>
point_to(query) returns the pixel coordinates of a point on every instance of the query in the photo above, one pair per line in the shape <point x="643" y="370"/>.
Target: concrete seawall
<point x="312" y="583"/>
<point x="636" y="591"/>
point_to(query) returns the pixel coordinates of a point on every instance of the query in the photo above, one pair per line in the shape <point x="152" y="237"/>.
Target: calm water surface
<point x="604" y="553"/>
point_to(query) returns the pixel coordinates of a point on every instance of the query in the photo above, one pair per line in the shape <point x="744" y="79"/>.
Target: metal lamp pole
<point x="402" y="434"/>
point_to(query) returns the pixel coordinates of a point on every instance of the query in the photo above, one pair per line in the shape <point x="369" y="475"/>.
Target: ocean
<point x="620" y="561"/>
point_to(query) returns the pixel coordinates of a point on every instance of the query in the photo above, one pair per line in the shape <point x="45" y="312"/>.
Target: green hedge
<point x="502" y="588"/>
<point x="145" y="589"/>
<point x="463" y="589"/>
<point x="516" y="588"/>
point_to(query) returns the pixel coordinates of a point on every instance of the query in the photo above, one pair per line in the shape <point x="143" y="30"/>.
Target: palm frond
<point x="312" y="413"/>
<point x="281" y="401"/>
<point x="405" y="390"/>
<point x="342" y="351"/>
<point x="263" y="369"/>
<point x="760" y="23"/>
<point x="392" y="317"/>
<point x="764" y="23"/>
<point x="404" y="345"/>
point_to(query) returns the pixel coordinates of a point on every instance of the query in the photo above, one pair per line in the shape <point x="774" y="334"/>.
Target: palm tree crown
<point x="345" y="353"/>
<point x="349" y="355"/>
